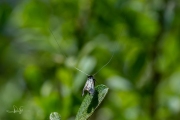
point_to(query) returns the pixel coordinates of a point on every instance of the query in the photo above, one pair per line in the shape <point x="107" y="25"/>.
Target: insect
<point x="90" y="83"/>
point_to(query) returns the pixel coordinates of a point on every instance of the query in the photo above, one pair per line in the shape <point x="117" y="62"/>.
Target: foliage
<point x="36" y="73"/>
<point x="91" y="102"/>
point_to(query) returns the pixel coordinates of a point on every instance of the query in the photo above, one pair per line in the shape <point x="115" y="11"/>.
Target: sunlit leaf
<point x="91" y="102"/>
<point x="54" y="116"/>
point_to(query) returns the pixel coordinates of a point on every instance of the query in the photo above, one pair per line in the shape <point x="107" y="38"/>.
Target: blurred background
<point x="143" y="76"/>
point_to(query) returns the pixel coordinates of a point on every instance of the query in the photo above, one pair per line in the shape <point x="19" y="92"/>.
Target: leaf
<point x="91" y="102"/>
<point x="54" y="116"/>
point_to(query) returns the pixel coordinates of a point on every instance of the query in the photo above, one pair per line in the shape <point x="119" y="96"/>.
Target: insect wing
<point x="89" y="86"/>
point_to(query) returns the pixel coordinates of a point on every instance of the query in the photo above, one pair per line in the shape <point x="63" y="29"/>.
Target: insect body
<point x="89" y="86"/>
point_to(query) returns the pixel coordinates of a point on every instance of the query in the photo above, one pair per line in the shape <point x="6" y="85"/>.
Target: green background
<point x="143" y="76"/>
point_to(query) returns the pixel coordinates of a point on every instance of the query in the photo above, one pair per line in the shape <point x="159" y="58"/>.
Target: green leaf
<point x="54" y="116"/>
<point x="91" y="102"/>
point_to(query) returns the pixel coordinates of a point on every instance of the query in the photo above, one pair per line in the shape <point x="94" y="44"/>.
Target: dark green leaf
<point x="91" y="102"/>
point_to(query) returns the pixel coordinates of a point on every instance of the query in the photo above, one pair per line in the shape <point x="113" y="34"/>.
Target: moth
<point x="90" y="83"/>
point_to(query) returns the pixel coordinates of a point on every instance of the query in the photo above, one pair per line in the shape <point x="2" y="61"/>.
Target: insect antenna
<point x="104" y="65"/>
<point x="80" y="71"/>
<point x="64" y="53"/>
